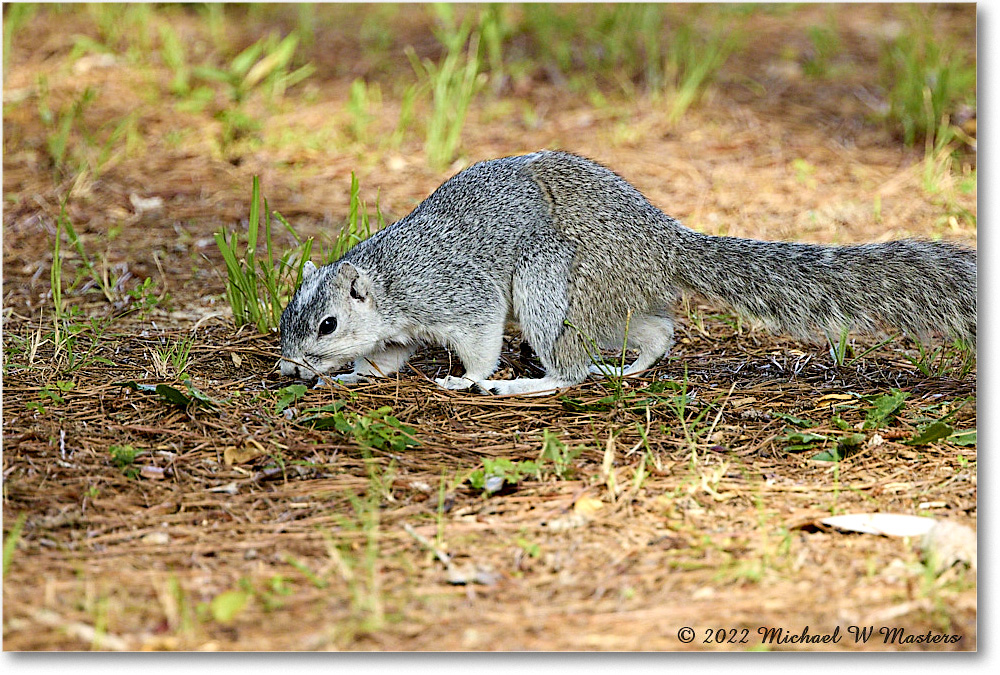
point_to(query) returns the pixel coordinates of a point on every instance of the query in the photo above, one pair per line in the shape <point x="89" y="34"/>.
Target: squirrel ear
<point x="357" y="280"/>
<point x="308" y="269"/>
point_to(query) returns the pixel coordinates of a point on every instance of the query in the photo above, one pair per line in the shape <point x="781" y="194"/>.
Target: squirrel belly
<point x="577" y="257"/>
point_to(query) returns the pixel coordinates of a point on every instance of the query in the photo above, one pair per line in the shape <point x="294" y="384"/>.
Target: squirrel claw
<point x="482" y="388"/>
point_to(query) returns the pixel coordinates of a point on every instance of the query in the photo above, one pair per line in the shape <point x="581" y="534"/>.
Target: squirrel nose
<point x="289" y="369"/>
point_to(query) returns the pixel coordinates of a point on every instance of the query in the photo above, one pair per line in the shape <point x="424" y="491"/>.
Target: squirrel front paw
<point x="331" y="380"/>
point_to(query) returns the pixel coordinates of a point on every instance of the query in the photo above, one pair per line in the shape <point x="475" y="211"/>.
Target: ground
<point x="212" y="514"/>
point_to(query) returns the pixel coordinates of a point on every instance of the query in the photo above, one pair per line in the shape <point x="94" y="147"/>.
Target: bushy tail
<point x="920" y="287"/>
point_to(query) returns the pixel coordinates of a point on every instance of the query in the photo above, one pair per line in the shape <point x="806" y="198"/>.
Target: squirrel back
<point x="579" y="258"/>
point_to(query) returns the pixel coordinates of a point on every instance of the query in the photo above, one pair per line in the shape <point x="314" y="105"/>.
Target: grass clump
<point x="10" y="542"/>
<point x="266" y="66"/>
<point x="626" y="45"/>
<point x="258" y="287"/>
<point x="453" y="83"/>
<point x="358" y="226"/>
<point x="257" y="290"/>
<point x="926" y="79"/>
<point x="694" y="58"/>
<point x="15" y="16"/>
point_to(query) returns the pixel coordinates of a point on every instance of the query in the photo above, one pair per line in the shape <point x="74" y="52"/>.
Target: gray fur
<point x="573" y="253"/>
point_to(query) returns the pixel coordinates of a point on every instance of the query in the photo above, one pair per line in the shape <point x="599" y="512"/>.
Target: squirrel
<point x="580" y="260"/>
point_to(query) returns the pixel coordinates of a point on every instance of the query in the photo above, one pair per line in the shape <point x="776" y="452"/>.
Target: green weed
<point x="226" y="606"/>
<point x="123" y="27"/>
<point x="72" y="147"/>
<point x="941" y="165"/>
<point x="625" y="42"/>
<point x="884" y="408"/>
<point x="678" y="405"/>
<point x="172" y="357"/>
<point x="102" y="279"/>
<point x="361" y="100"/>
<point x="258" y="290"/>
<point x="554" y="451"/>
<point x="406" y="116"/>
<point x="214" y="16"/>
<point x="361" y="572"/>
<point x="501" y="471"/>
<point x="956" y="360"/>
<point x="549" y="27"/>
<point x="694" y="58"/>
<point x="288" y="395"/>
<point x="377" y="429"/>
<point x="173" y="395"/>
<point x="358" y="226"/>
<point x="555" y="460"/>
<point x="265" y="65"/>
<point x="926" y="78"/>
<point x="10" y="542"/>
<point x="175" y="58"/>
<point x="55" y="278"/>
<point x="68" y="324"/>
<point x="804" y="173"/>
<point x="303" y="568"/>
<point x="838" y="350"/>
<point x="15" y="16"/>
<point x="452" y="83"/>
<point x="496" y="29"/>
<point x="59" y="125"/>
<point x="123" y="457"/>
<point x="825" y="46"/>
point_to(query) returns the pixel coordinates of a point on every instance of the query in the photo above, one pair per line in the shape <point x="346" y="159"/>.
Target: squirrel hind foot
<point x="455" y="383"/>
<point x="526" y="386"/>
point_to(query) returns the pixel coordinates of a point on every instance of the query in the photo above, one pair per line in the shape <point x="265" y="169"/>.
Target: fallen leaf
<point x="229" y="488"/>
<point x="932" y="432"/>
<point x="588" y="507"/>
<point x="233" y="455"/>
<point x="885" y="524"/>
<point x="145" y="203"/>
<point x="832" y="397"/>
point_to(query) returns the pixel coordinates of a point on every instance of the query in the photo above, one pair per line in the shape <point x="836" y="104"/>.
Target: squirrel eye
<point x="328" y="325"/>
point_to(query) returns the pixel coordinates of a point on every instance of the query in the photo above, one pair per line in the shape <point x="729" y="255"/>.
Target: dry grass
<point x="237" y="527"/>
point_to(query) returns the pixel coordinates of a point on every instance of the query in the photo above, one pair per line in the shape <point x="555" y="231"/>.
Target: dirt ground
<point x="680" y="501"/>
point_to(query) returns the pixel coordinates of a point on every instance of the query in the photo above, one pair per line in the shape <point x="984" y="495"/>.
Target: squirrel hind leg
<point x="652" y="335"/>
<point x="565" y="360"/>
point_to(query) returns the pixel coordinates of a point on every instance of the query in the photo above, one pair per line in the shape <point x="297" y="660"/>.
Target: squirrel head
<point x="332" y="319"/>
